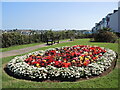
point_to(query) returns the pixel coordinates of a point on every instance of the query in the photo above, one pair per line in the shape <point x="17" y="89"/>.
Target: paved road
<point x="23" y="50"/>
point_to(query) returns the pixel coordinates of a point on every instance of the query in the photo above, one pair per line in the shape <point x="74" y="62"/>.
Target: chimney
<point x="115" y="11"/>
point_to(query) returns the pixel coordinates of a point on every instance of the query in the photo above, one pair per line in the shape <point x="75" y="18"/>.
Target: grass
<point x="108" y="81"/>
<point x="18" y="47"/>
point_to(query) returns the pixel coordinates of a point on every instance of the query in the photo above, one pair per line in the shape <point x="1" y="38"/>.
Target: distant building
<point x="83" y="31"/>
<point x="87" y="32"/>
<point x="24" y="32"/>
<point x="110" y="21"/>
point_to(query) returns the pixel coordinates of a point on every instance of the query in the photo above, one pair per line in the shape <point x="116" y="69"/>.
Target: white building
<point x="119" y="16"/>
<point x="113" y="21"/>
<point x="110" y="21"/>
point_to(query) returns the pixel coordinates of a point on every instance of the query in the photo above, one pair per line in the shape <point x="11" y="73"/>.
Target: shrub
<point x="105" y="36"/>
<point x="118" y="34"/>
<point x="10" y="39"/>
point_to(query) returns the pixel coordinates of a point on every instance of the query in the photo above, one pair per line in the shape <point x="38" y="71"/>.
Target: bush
<point x="105" y="36"/>
<point x="15" y="38"/>
<point x="10" y="39"/>
<point x="83" y="36"/>
<point x="118" y="34"/>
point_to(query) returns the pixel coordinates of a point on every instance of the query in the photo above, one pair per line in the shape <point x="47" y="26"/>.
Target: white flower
<point x="21" y="68"/>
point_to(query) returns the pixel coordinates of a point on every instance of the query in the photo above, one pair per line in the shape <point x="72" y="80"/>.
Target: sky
<point x="54" y="15"/>
<point x="59" y="0"/>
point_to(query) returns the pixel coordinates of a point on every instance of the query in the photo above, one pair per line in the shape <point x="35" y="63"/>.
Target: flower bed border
<point x="59" y="78"/>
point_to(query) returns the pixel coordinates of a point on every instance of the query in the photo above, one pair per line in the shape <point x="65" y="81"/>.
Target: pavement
<point x="24" y="50"/>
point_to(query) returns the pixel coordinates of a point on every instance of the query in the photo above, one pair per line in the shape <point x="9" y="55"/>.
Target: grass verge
<point x="18" y="47"/>
<point x="22" y="46"/>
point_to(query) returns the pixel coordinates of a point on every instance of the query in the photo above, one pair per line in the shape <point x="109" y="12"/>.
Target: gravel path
<point x="23" y="50"/>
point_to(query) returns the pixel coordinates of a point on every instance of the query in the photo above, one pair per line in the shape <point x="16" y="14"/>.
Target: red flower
<point x="100" y="55"/>
<point x="64" y="64"/>
<point x="29" y="59"/>
<point x="82" y="55"/>
<point x="85" y="63"/>
<point x="38" y="60"/>
<point x="43" y="63"/>
<point x="81" y="51"/>
<point x="51" y="59"/>
<point x="94" y="58"/>
<point x="66" y="54"/>
<point x="38" y="57"/>
<point x="72" y="54"/>
<point x="104" y="51"/>
<point x="33" y="63"/>
<point x="58" y="64"/>
<point x="91" y="55"/>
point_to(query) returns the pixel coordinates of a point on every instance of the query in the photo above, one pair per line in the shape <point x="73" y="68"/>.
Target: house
<point x="25" y="32"/>
<point x="113" y="21"/>
<point x="110" y="21"/>
<point x="87" y="32"/>
<point x="119" y="17"/>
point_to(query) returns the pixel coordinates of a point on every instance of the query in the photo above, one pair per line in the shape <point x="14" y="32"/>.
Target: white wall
<point x="119" y="4"/>
<point x="119" y="19"/>
<point x="113" y="23"/>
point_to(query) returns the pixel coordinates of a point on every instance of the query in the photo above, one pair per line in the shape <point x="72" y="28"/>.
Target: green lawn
<point x="108" y="81"/>
<point x="18" y="47"/>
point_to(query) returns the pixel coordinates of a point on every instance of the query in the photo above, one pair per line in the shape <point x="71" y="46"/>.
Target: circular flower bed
<point x="64" y="62"/>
